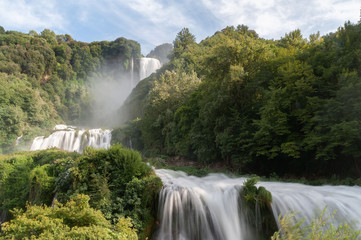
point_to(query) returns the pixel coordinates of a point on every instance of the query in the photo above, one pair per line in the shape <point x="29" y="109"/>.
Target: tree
<point x="169" y="92"/>
<point x="183" y="41"/>
<point x="293" y="39"/>
<point x="33" y="33"/>
<point x="49" y="35"/>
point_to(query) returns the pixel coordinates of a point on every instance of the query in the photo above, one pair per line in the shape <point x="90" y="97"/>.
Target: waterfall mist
<point x="109" y="89"/>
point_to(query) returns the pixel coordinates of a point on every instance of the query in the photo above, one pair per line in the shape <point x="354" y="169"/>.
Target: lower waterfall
<point x="209" y="207"/>
<point x="72" y="139"/>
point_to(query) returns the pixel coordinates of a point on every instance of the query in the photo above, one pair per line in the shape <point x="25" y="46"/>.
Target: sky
<point x="153" y="22"/>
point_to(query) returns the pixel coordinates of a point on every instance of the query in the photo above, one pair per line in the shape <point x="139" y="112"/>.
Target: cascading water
<point x="72" y="139"/>
<point x="306" y="201"/>
<point x="132" y="81"/>
<point x="17" y="141"/>
<point x="147" y="66"/>
<point x="209" y="207"/>
<point x="200" y="208"/>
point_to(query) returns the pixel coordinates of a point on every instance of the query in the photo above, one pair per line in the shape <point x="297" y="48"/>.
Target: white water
<point x="71" y="139"/>
<point x="17" y="141"/>
<point x="147" y="66"/>
<point x="307" y="201"/>
<point x="132" y="81"/>
<point x="209" y="207"/>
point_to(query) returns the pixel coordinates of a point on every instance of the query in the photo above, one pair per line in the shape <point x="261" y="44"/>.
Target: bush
<point x="319" y="229"/>
<point x="73" y="220"/>
<point x="30" y="176"/>
<point x="254" y="195"/>
<point x="256" y="206"/>
<point x="116" y="180"/>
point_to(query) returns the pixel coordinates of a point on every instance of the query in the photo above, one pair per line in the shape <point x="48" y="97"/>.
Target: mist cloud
<point x="109" y="89"/>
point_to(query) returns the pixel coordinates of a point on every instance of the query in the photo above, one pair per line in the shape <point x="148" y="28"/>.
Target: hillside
<point x="45" y="80"/>
<point x="289" y="107"/>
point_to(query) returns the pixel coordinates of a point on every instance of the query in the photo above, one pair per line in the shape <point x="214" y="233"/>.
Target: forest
<point x="289" y="107"/>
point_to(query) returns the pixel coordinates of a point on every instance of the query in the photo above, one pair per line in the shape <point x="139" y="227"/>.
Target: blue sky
<point x="153" y="22"/>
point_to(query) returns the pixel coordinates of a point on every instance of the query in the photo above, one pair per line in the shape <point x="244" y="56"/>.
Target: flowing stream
<point x="210" y="207"/>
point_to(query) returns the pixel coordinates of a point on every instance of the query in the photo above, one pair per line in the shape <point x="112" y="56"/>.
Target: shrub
<point x="73" y="220"/>
<point x="320" y="228"/>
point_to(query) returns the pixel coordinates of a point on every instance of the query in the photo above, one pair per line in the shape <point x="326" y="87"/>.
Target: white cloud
<point x="21" y="14"/>
<point x="159" y="12"/>
<point x="152" y="22"/>
<point x="274" y="18"/>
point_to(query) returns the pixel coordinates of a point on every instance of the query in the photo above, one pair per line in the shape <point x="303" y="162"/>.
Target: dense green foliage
<point x="288" y="106"/>
<point x="30" y="176"/>
<point x="73" y="220"/>
<point x="118" y="183"/>
<point x="116" y="180"/>
<point x="319" y="229"/>
<point x="44" y="80"/>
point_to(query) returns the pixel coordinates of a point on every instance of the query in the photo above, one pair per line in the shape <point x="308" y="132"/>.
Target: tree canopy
<point x="288" y="106"/>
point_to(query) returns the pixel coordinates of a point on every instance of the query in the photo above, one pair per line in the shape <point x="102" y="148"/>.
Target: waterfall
<point x="72" y="139"/>
<point x="17" y="141"/>
<point x="132" y="81"/>
<point x="306" y="200"/>
<point x="147" y="66"/>
<point x="209" y="207"/>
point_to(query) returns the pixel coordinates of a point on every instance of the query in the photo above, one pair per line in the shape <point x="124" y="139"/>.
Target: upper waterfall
<point x="147" y="66"/>
<point x="210" y="207"/>
<point x="132" y="80"/>
<point x="72" y="139"/>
